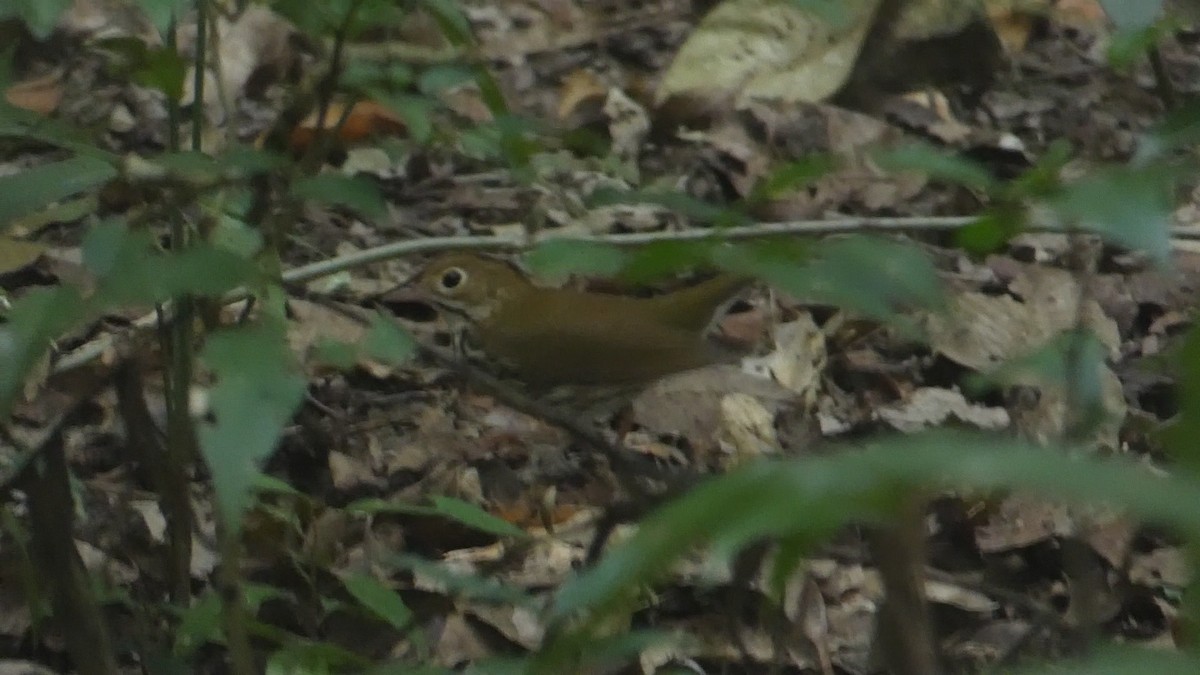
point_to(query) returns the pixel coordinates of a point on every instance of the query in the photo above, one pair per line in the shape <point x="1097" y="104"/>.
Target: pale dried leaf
<point x="348" y="473"/>
<point x="798" y="360"/>
<point x="1167" y="565"/>
<point x="933" y="406"/>
<point x="690" y="403"/>
<point x="767" y="49"/>
<point x="628" y="124"/>
<point x="747" y="430"/>
<point x="957" y="596"/>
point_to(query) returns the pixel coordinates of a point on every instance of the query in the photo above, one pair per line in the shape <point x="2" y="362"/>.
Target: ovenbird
<point x="570" y="340"/>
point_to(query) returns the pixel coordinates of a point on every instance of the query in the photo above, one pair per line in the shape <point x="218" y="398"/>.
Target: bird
<point x="565" y="344"/>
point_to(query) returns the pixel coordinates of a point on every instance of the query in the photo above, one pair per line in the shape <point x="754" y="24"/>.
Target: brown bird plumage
<point x="550" y="336"/>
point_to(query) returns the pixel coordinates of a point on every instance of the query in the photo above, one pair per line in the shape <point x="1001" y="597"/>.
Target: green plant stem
<point x="198" y="73"/>
<point x="181" y="433"/>
<point x="229" y="580"/>
<point x="51" y="510"/>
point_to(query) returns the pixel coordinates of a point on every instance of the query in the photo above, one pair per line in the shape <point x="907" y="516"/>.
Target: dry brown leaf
<point x="691" y="403"/>
<point x="579" y="86"/>
<point x="628" y="125"/>
<point x="798" y="361"/>
<point x="458" y="642"/>
<point x="349" y="473"/>
<point x="1012" y="27"/>
<point x="1163" y="566"/>
<point x="1021" y="521"/>
<point x="980" y="331"/>
<point x="40" y="95"/>
<point x="1087" y="14"/>
<point x="365" y="120"/>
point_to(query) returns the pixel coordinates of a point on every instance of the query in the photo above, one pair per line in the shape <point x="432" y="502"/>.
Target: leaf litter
<point x="403" y="435"/>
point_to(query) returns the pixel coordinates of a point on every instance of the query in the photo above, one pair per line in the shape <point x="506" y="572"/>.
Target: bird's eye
<point x="452" y="278"/>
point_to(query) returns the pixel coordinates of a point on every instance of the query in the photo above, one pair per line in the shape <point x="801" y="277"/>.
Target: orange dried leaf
<point x="578" y="86"/>
<point x="41" y="95"/>
<point x="365" y="120"/>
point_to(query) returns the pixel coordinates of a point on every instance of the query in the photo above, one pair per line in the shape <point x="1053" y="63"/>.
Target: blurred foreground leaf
<point x="256" y="393"/>
<point x="33" y="322"/>
<point x="817" y="495"/>
<point x="33" y="189"/>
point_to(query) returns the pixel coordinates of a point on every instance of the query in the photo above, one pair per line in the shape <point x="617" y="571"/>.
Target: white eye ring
<point x="452" y="278"/>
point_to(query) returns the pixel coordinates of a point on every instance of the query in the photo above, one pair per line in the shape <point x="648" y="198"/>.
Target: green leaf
<point x="1053" y="363"/>
<point x="455" y="509"/>
<point x="1072" y="361"/>
<point x="1128" y="206"/>
<point x="786" y="178"/>
<point x="34" y="189"/>
<point x="557" y="258"/>
<point x="202" y="270"/>
<point x="472" y="516"/>
<point x="123" y="264"/>
<point x="32" y="322"/>
<point x="250" y="161"/>
<point x="17" y="254"/>
<point x="388" y="342"/>
<point x="1125" y="660"/>
<point x="416" y="111"/>
<point x="39" y="15"/>
<point x="257" y="391"/>
<point x="877" y="277"/>
<point x="1044" y="178"/>
<point x="369" y="15"/>
<point x="833" y="12"/>
<point x="662" y="258"/>
<point x="130" y="269"/>
<point x="380" y="599"/>
<point x="357" y="193"/>
<point x="453" y="22"/>
<point x="469" y="586"/>
<point x="990" y="232"/>
<point x="160" y="12"/>
<point x="272" y="485"/>
<point x="199" y="623"/>
<point x="314" y="18"/>
<point x="202" y="621"/>
<point x="815" y="495"/>
<point x="335" y="353"/>
<point x="163" y="69"/>
<point x="313" y="658"/>
<point x="370" y="76"/>
<point x="1127" y="45"/>
<point x="235" y="236"/>
<point x="436" y="79"/>
<point x="938" y="165"/>
<point x="17" y="123"/>
<point x="1178" y="128"/>
<point x="679" y="202"/>
<point x="1181" y="436"/>
<point x="1132" y="14"/>
<point x="874" y="276"/>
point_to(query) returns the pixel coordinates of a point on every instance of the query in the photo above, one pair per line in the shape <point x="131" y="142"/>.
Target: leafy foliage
<point x="254" y="386"/>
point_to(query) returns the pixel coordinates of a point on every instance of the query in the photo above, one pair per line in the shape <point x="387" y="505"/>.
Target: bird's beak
<point x="409" y="303"/>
